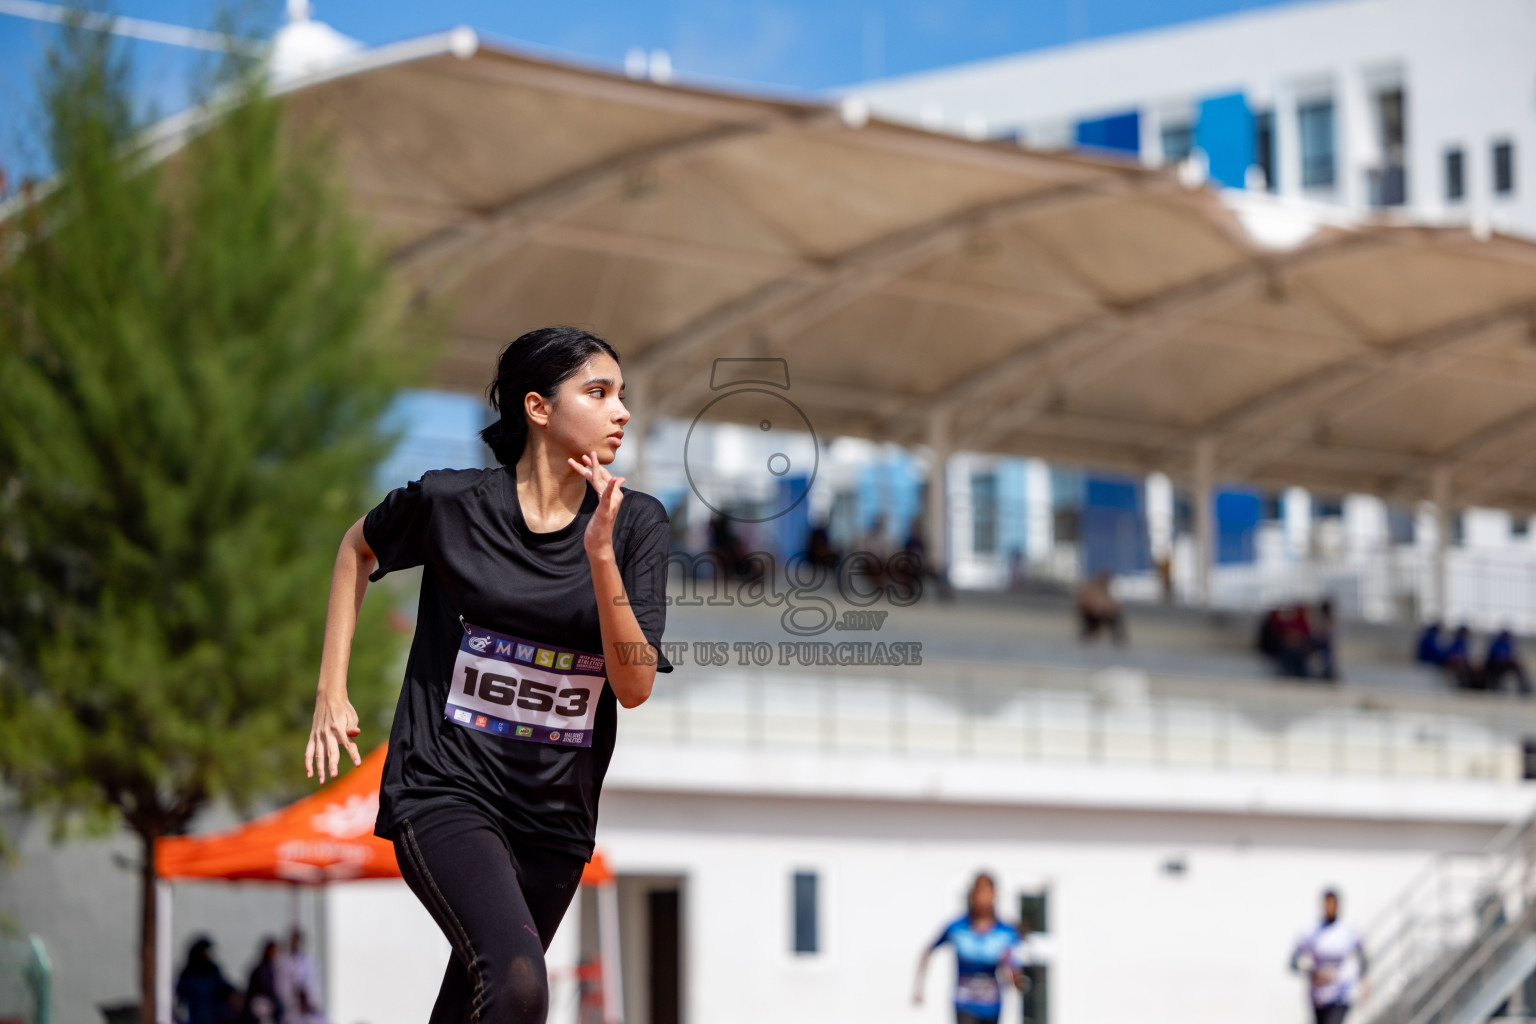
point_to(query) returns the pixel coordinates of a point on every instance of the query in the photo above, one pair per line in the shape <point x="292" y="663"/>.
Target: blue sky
<point x="799" y="45"/>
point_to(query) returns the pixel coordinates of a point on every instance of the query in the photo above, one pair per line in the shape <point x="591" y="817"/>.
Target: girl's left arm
<point x="628" y="657"/>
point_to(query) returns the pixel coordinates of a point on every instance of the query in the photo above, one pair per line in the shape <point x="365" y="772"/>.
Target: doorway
<point x="652" y="946"/>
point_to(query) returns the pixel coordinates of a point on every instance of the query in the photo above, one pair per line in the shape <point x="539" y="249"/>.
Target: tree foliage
<point x="195" y="352"/>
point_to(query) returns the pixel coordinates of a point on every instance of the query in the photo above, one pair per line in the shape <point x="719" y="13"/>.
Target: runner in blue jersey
<point x="983" y="946"/>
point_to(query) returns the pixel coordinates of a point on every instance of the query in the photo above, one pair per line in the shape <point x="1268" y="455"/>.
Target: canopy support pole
<point x="642" y="405"/>
<point x="1205" y="520"/>
<point x="941" y="447"/>
<point x="1440" y="494"/>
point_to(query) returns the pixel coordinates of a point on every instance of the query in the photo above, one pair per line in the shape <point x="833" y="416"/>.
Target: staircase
<point x="1460" y="941"/>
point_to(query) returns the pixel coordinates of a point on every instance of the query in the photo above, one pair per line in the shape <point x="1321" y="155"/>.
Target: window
<point x="1032" y="912"/>
<point x="1390" y="111"/>
<point x="1264" y="146"/>
<point x="984" y="513"/>
<point x="1455" y="174"/>
<point x="1327" y="508"/>
<point x="805" y="912"/>
<point x="1503" y="168"/>
<point x="1033" y="918"/>
<point x="1389" y="181"/>
<point x="1183" y="512"/>
<point x="1315" y="121"/>
<point x="1178" y="141"/>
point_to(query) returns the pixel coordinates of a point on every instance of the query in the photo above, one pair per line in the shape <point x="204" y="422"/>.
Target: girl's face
<point x="981" y="897"/>
<point x="588" y="413"/>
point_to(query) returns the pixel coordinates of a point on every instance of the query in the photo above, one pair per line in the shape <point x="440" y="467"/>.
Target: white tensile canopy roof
<point x="925" y="288"/>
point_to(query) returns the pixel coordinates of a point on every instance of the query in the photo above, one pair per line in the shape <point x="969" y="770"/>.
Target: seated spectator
<point x="1429" y="652"/>
<point x="203" y="994"/>
<point x="262" y="1003"/>
<point x="1268" y="641"/>
<point x="1295" y="642"/>
<point x="298" y="983"/>
<point x="819" y="549"/>
<point x="1097" y="608"/>
<point x="1321" y="646"/>
<point x="1018" y="576"/>
<point x="1501" y="660"/>
<point x="877" y="547"/>
<point x="1456" y="659"/>
<point x="677" y="525"/>
<point x="927" y="569"/>
<point x="730" y="553"/>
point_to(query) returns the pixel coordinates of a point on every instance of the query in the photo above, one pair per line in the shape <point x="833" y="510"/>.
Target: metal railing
<point x="1458" y="938"/>
<point x="1486" y="589"/>
<point x="1110" y="716"/>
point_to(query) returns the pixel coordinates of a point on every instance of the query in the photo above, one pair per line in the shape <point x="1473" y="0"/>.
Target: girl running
<point x="542" y="607"/>
<point x="983" y="946"/>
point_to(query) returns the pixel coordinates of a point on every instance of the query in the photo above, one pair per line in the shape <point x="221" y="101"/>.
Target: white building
<point x="784" y="856"/>
<point x="1415" y="110"/>
<point x="1423" y="107"/>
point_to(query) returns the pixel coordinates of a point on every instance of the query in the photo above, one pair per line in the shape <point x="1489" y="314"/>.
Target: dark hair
<point x="981" y="876"/>
<point x="541" y="361"/>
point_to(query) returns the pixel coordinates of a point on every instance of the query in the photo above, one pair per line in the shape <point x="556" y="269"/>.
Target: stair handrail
<point x="1400" y="923"/>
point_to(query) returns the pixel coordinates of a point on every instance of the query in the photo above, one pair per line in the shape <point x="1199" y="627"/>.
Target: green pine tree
<point x="195" y="353"/>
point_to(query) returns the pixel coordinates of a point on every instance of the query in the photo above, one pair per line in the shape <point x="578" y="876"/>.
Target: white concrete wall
<point x="895" y="842"/>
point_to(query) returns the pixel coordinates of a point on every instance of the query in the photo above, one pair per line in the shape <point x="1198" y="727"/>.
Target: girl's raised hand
<point x="599" y="536"/>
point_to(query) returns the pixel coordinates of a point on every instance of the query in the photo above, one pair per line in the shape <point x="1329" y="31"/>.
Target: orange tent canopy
<point x="597" y="871"/>
<point x="325" y="837"/>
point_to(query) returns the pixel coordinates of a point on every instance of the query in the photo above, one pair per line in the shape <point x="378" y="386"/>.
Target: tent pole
<point x="164" y="1001"/>
<point x="608" y="948"/>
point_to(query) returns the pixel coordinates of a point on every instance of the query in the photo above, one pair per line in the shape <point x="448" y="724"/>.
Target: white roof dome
<point x="304" y="46"/>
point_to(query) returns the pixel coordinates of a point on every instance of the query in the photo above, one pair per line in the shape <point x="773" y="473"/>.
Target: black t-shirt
<point x="482" y="562"/>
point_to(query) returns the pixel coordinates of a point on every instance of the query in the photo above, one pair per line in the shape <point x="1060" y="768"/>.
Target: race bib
<point x="978" y="989"/>
<point x="524" y="690"/>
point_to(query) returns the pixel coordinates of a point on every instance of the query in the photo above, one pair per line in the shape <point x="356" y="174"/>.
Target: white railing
<point x="1485" y="589"/>
<point x="1113" y="716"/>
<point x="1449" y="928"/>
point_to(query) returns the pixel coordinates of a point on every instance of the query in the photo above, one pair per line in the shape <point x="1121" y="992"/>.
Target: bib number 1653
<point x="528" y="694"/>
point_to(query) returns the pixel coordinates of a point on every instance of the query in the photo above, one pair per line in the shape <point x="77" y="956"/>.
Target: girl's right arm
<point x="335" y="722"/>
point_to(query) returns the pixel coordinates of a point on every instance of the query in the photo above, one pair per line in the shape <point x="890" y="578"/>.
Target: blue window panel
<point x="892" y="487"/>
<point x="792" y="530"/>
<point x="1238" y="511"/>
<point x="1114" y="525"/>
<point x="1225" y="133"/>
<point x="807" y="938"/>
<point x="1315" y="124"/>
<point x="1119" y="133"/>
<point x="1013" y="529"/>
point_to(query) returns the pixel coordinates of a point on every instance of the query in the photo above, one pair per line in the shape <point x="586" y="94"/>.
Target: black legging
<point x="1333" y="1013"/>
<point x="961" y="1017"/>
<point x="497" y="903"/>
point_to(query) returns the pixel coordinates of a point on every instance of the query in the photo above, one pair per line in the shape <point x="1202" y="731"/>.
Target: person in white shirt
<point x="298" y="984"/>
<point x="1331" y="955"/>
